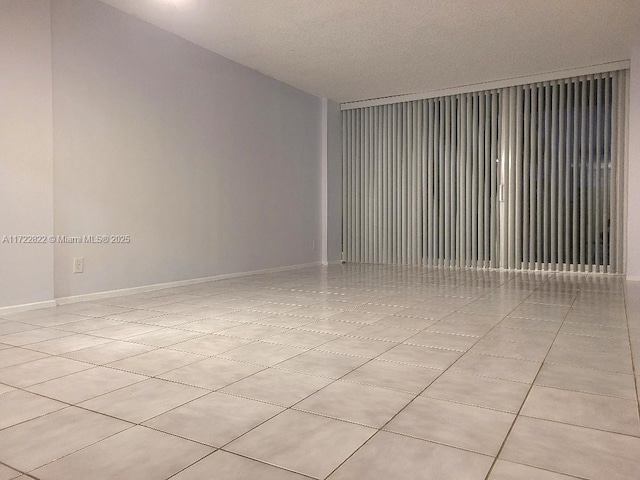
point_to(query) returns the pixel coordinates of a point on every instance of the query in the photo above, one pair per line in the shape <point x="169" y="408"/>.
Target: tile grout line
<point x="633" y="366"/>
<point x="518" y="414"/>
<point x="331" y="383"/>
<point x="423" y="390"/>
<point x="347" y="335"/>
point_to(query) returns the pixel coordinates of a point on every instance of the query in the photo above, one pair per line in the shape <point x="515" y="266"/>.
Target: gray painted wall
<point x="211" y="167"/>
<point x="26" y="196"/>
<point x="334" y="182"/>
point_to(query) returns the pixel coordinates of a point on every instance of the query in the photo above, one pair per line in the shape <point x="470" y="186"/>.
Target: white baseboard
<point x="144" y="288"/>
<point x="332" y="262"/>
<point x="180" y="283"/>
<point x="27" y="306"/>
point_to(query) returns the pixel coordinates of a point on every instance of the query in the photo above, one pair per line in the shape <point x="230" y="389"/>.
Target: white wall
<point x="211" y="167"/>
<point x="633" y="206"/>
<point x="331" y="182"/>
<point x="26" y="197"/>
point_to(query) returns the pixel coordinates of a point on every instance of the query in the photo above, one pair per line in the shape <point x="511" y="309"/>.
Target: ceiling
<point x="349" y="50"/>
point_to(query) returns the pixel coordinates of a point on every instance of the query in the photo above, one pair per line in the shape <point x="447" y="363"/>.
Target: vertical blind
<point x="526" y="177"/>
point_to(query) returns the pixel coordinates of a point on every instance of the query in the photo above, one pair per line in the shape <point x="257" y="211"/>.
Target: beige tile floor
<point x="343" y="372"/>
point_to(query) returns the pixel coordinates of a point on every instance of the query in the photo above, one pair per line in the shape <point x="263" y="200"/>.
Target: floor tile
<point x="469" y="343"/>
<point x="81" y="386"/>
<point x="593" y="344"/>
<point x="410" y="323"/>
<point x="537" y="325"/>
<point x="388" y="456"/>
<point x="33" y="314"/>
<point x="596" y="319"/>
<point x="428" y="313"/>
<point x="278" y="386"/>
<point x="302" y="442"/>
<point x="301" y="338"/>
<point x="7" y="473"/>
<point x="108" y="352"/>
<point x="315" y="312"/>
<point x="545" y="312"/>
<point x="370" y="406"/>
<point x="392" y="375"/>
<point x="210" y="344"/>
<point x="96" y="309"/>
<point x="363" y="347"/>
<point x="442" y="340"/>
<point x="604" y="361"/>
<point x="421" y="356"/>
<point x="215" y="419"/>
<point x="32" y="336"/>
<point x="455" y="328"/>
<point x="359" y="317"/>
<point x="473" y="319"/>
<point x="479" y="391"/>
<point x="262" y="353"/>
<point x="502" y="348"/>
<point x="594" y="330"/>
<point x="272" y="307"/>
<point x="42" y="440"/>
<point x="497" y="367"/>
<point x="142" y="401"/>
<point x="212" y="373"/>
<point x="544" y="339"/>
<point x="285" y="321"/>
<point x="125" y="330"/>
<point x="139" y="453"/>
<point x="252" y="331"/>
<point x="586" y="380"/>
<point x="472" y="428"/>
<point x="330" y="326"/>
<point x="222" y="465"/>
<point x="18" y="406"/>
<point x="164" y="337"/>
<point x="67" y="344"/>
<point x="487" y="308"/>
<point x="211" y="311"/>
<point x="88" y="324"/>
<point x="15" y="356"/>
<point x="208" y="325"/>
<point x="572" y="450"/>
<point x="5" y="388"/>
<point x="382" y="332"/>
<point x="583" y="409"/>
<point x="324" y="364"/>
<point x="156" y="362"/>
<point x="503" y="470"/>
<point x="133" y="316"/>
<point x="169" y="320"/>
<point x="244" y="317"/>
<point x="50" y="320"/>
<point x="30" y="373"/>
<point x="380" y="308"/>
<point x="8" y="327"/>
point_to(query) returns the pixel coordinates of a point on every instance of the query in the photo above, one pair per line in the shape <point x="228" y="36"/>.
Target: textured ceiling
<point x="349" y="50"/>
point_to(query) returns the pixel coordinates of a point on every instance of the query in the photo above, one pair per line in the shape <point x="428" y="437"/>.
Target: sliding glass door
<point x="563" y="156"/>
<point x="527" y="177"/>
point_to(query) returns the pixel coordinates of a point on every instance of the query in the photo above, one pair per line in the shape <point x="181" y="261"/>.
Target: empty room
<point x="342" y="240"/>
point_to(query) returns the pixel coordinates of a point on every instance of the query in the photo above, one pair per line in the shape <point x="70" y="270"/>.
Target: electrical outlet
<point x="78" y="265"/>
